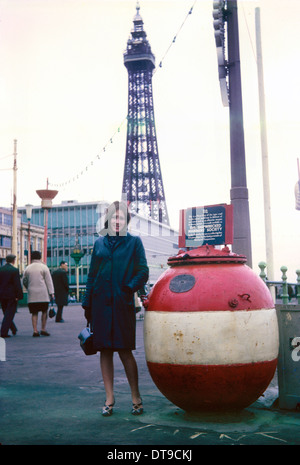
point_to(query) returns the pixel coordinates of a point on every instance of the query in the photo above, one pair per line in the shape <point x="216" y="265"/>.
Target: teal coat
<point x="115" y="274"/>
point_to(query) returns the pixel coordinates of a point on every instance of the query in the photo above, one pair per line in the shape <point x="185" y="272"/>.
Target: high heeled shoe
<point x="107" y="410"/>
<point x="137" y="409"/>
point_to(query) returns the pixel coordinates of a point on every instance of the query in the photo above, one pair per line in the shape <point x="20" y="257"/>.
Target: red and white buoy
<point x="210" y="331"/>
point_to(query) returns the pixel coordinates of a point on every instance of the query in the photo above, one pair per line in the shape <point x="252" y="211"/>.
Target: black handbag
<point x="86" y="341"/>
<point x="52" y="312"/>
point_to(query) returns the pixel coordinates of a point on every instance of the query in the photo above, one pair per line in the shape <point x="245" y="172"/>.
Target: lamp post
<point x="229" y="68"/>
<point x="28" y="214"/>
<point x="77" y="255"/>
<point x="297" y="188"/>
<point x="14" y="249"/>
<point x="47" y="196"/>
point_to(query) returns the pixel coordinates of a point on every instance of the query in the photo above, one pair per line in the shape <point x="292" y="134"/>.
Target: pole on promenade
<point x="264" y="151"/>
<point x="14" y="248"/>
<point x="77" y="255"/>
<point x="239" y="191"/>
<point x="47" y="196"/>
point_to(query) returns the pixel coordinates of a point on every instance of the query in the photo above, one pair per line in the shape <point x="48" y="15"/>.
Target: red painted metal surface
<point x="212" y="387"/>
<point x="217" y="287"/>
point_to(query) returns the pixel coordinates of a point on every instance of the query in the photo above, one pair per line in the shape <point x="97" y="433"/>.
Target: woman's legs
<point x="34" y="322"/>
<point x="131" y="371"/>
<point x="44" y="308"/>
<point x="44" y="320"/>
<point x="107" y="369"/>
<point x="130" y="366"/>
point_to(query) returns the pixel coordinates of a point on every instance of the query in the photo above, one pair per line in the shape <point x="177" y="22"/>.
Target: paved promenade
<point x="51" y="393"/>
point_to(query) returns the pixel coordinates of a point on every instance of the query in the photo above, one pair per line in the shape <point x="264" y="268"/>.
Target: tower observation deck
<point x="142" y="180"/>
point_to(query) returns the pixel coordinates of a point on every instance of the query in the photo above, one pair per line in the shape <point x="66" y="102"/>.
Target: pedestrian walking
<point x="61" y="289"/>
<point x="118" y="269"/>
<point x="10" y="292"/>
<point x="37" y="280"/>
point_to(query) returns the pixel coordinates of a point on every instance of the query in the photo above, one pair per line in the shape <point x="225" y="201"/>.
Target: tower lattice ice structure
<point x="142" y="181"/>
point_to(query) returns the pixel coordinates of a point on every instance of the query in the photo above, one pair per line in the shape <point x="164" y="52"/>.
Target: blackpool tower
<point x="142" y="180"/>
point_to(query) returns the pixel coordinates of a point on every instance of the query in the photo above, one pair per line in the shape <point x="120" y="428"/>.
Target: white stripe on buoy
<point x="211" y="337"/>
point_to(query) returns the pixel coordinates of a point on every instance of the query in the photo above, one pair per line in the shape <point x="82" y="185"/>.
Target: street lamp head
<point x="28" y="211"/>
<point x="77" y="254"/>
<point x="47" y="196"/>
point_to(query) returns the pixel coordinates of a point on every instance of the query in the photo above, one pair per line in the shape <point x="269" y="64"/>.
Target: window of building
<point x="54" y="218"/>
<point x="7" y="242"/>
<point x="72" y="218"/>
<point x="60" y="217"/>
<point x="7" y="220"/>
<point x="66" y="217"/>
<point x="90" y="221"/>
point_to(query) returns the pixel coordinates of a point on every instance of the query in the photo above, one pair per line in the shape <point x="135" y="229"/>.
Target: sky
<point x="63" y="97"/>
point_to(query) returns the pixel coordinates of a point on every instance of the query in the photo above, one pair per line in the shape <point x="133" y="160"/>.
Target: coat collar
<point x="9" y="265"/>
<point x="118" y="242"/>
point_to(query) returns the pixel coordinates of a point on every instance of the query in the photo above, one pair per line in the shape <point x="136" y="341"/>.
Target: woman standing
<point x="118" y="269"/>
<point x="37" y="280"/>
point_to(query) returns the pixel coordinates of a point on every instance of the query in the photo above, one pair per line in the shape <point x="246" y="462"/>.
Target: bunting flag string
<point x="176" y="35"/>
<point x="91" y="163"/>
<point x="111" y="139"/>
<point x="7" y="156"/>
<point x="3" y="158"/>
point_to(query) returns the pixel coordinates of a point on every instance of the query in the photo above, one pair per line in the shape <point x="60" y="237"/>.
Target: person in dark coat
<point x="118" y="269"/>
<point x="61" y="289"/>
<point x="10" y="292"/>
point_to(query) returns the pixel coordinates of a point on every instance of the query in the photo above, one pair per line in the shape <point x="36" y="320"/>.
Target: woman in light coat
<point x="38" y="282"/>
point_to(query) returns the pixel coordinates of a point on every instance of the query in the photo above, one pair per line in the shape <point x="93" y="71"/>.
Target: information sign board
<point x="211" y="224"/>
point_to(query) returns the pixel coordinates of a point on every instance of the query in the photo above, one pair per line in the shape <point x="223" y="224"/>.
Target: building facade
<point x="5" y="233"/>
<point x="24" y="230"/>
<point x="36" y="235"/>
<point x="69" y="224"/>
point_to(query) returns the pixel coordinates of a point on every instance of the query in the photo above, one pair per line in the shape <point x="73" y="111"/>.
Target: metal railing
<point x="284" y="290"/>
